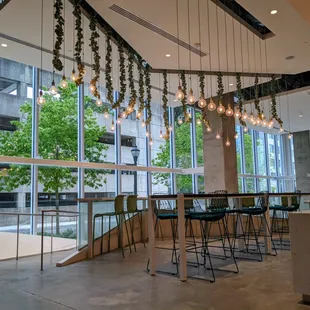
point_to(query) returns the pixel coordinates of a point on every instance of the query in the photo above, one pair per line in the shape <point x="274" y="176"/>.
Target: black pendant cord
<point x="242" y="67"/>
<point x="189" y="43"/>
<point x="226" y="42"/>
<point x="178" y="35"/>
<point x="53" y="39"/>
<point x="255" y="68"/>
<point x="73" y="44"/>
<point x="288" y="106"/>
<point x="218" y="39"/>
<point x="234" y="48"/>
<point x="42" y="10"/>
<point x="199" y="31"/>
<point x="261" y="66"/>
<point x="209" y="42"/>
<point x="64" y="10"/>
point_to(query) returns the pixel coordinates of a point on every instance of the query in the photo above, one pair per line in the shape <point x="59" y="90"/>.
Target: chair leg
<point x="226" y="232"/>
<point x="101" y="239"/>
<point x="93" y="241"/>
<point x="120" y="242"/>
<point x="109" y="241"/>
<point x="222" y="238"/>
<point x="128" y="239"/>
<point x="206" y="250"/>
<point x="256" y="238"/>
<point x="270" y="235"/>
<point x="174" y="250"/>
<point x="131" y="227"/>
<point x="194" y="241"/>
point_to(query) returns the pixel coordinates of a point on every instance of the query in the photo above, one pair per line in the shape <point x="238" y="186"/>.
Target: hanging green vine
<point x="183" y="101"/>
<point x="220" y="92"/>
<point x="273" y="93"/>
<point x="202" y="84"/>
<point x="165" y="105"/>
<point x="59" y="31"/>
<point x="122" y="77"/>
<point x="131" y="83"/>
<point x="141" y="91"/>
<point x="95" y="50"/>
<point x="79" y="42"/>
<point x="108" y="70"/>
<point x="256" y="100"/>
<point x="240" y="98"/>
<point x="148" y="95"/>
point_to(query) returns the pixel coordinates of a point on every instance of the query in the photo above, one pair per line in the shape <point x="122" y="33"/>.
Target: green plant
<point x="59" y="31"/>
<point x="58" y="140"/>
<point x="133" y="92"/>
<point x="165" y="105"/>
<point x="122" y="77"/>
<point x="141" y="91"/>
<point x="273" y="93"/>
<point x="148" y="95"/>
<point x="79" y="41"/>
<point x="240" y="98"/>
<point x="256" y="100"/>
<point x="183" y="101"/>
<point x="108" y="70"/>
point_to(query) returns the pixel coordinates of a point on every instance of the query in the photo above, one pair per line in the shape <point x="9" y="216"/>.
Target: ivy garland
<point x="122" y="77"/>
<point x="183" y="101"/>
<point x="59" y="31"/>
<point x="141" y="90"/>
<point x="220" y="91"/>
<point x="202" y="84"/>
<point x="79" y="42"/>
<point x="256" y="100"/>
<point x="240" y="98"/>
<point x="95" y="50"/>
<point x="108" y="71"/>
<point x="165" y="105"/>
<point x="273" y="93"/>
<point x="148" y="95"/>
<point x="133" y="92"/>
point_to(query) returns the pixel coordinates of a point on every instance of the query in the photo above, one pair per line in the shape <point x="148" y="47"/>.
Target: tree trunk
<point x="57" y="214"/>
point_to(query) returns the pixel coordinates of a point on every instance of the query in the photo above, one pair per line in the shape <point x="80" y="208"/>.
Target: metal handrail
<point x="42" y="229"/>
<point x="42" y="224"/>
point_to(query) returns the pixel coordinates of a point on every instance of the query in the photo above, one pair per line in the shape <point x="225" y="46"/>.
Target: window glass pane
<point x="201" y="184"/>
<point x="261" y="154"/>
<point x="292" y="155"/>
<point x="182" y="140"/>
<point x="161" y="183"/>
<point x="250" y="185"/>
<point x="279" y="154"/>
<point x="262" y="185"/>
<point x="248" y="152"/>
<point x="271" y="155"/>
<point x="238" y="149"/>
<point x="240" y="187"/>
<point x="184" y="183"/>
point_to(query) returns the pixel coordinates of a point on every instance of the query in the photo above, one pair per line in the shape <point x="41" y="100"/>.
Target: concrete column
<point x="302" y="159"/>
<point x="220" y="161"/>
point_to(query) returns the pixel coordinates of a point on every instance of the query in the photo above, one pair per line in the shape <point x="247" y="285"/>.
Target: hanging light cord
<point x="73" y="42"/>
<point x="64" y="70"/>
<point x="199" y="34"/>
<point x="226" y="40"/>
<point x="209" y="42"/>
<point x="41" y="43"/>
<point x="189" y="43"/>
<point x="234" y="45"/>
<point x="178" y="35"/>
<point x="218" y="38"/>
<point x="241" y="43"/>
<point x="53" y="40"/>
<point x="261" y="64"/>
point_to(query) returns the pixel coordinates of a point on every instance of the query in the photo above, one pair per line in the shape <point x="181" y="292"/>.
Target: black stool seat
<point x="167" y="216"/>
<point x="207" y="216"/>
<point x="253" y="211"/>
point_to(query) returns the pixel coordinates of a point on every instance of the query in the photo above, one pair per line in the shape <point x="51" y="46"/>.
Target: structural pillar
<point x="301" y="142"/>
<point x="220" y="161"/>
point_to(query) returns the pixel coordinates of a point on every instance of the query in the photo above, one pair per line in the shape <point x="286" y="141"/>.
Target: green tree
<point x="183" y="157"/>
<point x="57" y="140"/>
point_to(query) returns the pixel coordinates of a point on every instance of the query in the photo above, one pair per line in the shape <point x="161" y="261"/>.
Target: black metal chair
<point x="215" y="214"/>
<point x="284" y="209"/>
<point x="250" y="232"/>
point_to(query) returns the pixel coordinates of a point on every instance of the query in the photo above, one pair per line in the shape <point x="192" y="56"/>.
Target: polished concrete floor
<point x="110" y="282"/>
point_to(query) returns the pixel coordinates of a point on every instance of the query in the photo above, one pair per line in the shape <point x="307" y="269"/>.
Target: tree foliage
<point x="58" y="135"/>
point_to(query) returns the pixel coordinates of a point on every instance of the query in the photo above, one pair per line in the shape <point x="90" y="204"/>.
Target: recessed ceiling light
<point x="274" y="12"/>
<point x="168" y="55"/>
<point x="4" y="45"/>
<point x="231" y="84"/>
<point x="300" y="115"/>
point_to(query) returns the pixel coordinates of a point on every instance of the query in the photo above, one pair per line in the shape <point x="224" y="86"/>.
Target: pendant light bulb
<point x="180" y="121"/>
<point x="211" y="105"/>
<point x="151" y="142"/>
<point x="147" y="134"/>
<point x="41" y="99"/>
<point x="119" y="121"/>
<point x="290" y="136"/>
<point x="130" y="109"/>
<point x="198" y="121"/>
<point x="124" y="114"/>
<point x="209" y="129"/>
<point x="220" y="109"/>
<point x="202" y="103"/>
<point x="264" y="122"/>
<point x="106" y="115"/>
<point x="191" y="97"/>
<point x="73" y="76"/>
<point x="244" y="116"/>
<point x="139" y="114"/>
<point x="170" y="128"/>
<point x="63" y="82"/>
<point x="252" y="119"/>
<point x="281" y="129"/>
<point x="143" y="124"/>
<point x="258" y="120"/>
<point x="245" y="129"/>
<point x="236" y="136"/>
<point x="53" y="89"/>
<point x="227" y="143"/>
<point x="160" y="134"/>
<point x="179" y="95"/>
<point x="92" y="87"/>
<point x="112" y="126"/>
<point x="98" y="103"/>
<point x="229" y="111"/>
<point x="237" y="113"/>
<point x="218" y="136"/>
